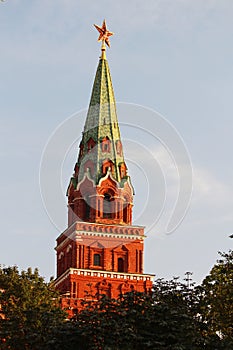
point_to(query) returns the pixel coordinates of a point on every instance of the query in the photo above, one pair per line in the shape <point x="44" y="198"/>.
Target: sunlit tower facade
<point x="100" y="252"/>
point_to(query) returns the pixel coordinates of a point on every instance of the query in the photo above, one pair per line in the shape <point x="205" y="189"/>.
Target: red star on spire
<point x="104" y="33"/>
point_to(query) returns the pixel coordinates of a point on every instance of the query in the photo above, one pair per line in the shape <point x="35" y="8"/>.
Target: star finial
<point x="104" y="33"/>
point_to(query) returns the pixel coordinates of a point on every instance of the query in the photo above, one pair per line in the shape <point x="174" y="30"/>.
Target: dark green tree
<point x="215" y="307"/>
<point x="176" y="316"/>
<point x="30" y="309"/>
<point x="161" y="321"/>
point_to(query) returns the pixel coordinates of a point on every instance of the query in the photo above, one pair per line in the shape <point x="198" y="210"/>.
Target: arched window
<point x="125" y="213"/>
<point x="119" y="147"/>
<point x="89" y="164"/>
<point x="107" y="212"/>
<point x="90" y="144"/>
<point x="105" y="144"/>
<point x="120" y="265"/>
<point x="107" y="163"/>
<point x="122" y="168"/>
<point x="97" y="260"/>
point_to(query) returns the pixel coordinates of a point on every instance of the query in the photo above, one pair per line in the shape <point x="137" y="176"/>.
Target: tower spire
<point x="100" y="165"/>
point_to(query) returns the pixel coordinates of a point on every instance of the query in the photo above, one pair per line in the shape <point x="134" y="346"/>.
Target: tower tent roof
<point x="102" y="108"/>
<point x="100" y="189"/>
<point x="101" y="147"/>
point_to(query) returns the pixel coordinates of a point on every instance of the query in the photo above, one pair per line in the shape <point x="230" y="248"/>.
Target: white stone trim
<point x="68" y="248"/>
<point x="74" y="236"/>
<point x="60" y="255"/>
<point x="108" y="174"/>
<point x="77" y="236"/>
<point x="105" y="274"/>
<point x="86" y="176"/>
<point x="112" y="235"/>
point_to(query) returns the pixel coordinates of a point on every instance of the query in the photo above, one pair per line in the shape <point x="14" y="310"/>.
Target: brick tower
<point x="100" y="252"/>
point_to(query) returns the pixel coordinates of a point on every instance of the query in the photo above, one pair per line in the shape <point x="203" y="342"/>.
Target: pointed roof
<point x="101" y="142"/>
<point x="102" y="108"/>
<point x="100" y="189"/>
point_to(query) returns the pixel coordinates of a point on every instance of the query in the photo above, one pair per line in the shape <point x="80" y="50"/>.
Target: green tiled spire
<point x="101" y="123"/>
<point x="100" y="189"/>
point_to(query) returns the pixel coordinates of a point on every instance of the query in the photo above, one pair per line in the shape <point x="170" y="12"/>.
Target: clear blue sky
<point x="173" y="56"/>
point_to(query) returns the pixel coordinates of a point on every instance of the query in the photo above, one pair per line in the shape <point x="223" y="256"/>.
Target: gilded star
<point x="104" y="33"/>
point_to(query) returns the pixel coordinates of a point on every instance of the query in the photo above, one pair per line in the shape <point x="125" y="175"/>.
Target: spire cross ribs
<point x="104" y="37"/>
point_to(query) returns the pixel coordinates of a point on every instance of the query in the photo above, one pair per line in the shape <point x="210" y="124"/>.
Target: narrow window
<point x="74" y="289"/>
<point x="125" y="214"/>
<point x="97" y="260"/>
<point x="90" y="144"/>
<point x="105" y="145"/>
<point x="107" y="206"/>
<point x="137" y="261"/>
<point x="98" y="211"/>
<point x="119" y="147"/>
<point x="120" y="265"/>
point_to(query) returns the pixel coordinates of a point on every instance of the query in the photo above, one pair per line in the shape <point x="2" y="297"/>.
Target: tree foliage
<point x="30" y="308"/>
<point x="216" y="301"/>
<point x="176" y="316"/>
<point x="162" y="320"/>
